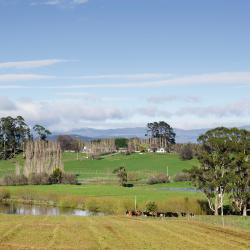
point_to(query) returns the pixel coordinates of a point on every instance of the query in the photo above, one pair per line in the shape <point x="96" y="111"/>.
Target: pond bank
<point x="18" y="208"/>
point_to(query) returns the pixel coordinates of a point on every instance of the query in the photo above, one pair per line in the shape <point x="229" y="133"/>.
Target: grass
<point x="141" y="165"/>
<point x="72" y="233"/>
<point x="110" y="198"/>
<point x="138" y="166"/>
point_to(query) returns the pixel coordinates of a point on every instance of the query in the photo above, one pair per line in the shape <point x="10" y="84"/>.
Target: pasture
<point x="71" y="233"/>
<point x="138" y="166"/>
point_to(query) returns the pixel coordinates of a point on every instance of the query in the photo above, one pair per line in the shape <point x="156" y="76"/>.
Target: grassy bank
<point x="110" y="198"/>
<point x="27" y="232"/>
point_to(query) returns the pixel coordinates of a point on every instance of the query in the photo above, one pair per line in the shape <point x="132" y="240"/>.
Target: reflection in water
<point x="24" y="209"/>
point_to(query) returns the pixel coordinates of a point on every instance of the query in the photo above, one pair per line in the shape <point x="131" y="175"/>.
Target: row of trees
<point x="14" y="132"/>
<point x="224" y="169"/>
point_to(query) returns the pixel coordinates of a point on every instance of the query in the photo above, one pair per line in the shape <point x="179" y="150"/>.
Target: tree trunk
<point x="216" y="206"/>
<point x="244" y="210"/>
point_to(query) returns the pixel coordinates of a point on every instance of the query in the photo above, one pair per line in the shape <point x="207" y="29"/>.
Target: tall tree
<point x="161" y="130"/>
<point x="240" y="180"/>
<point x="13" y="133"/>
<point x="42" y="132"/>
<point x="213" y="175"/>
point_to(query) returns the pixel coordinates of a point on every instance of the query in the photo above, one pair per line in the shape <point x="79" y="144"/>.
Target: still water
<point x="24" y="209"/>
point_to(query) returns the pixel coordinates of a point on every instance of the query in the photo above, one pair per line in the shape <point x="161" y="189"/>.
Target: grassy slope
<point x="142" y="164"/>
<point x="27" y="232"/>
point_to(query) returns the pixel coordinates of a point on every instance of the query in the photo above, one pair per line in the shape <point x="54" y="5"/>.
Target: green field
<point x="139" y="165"/>
<point x="72" y="233"/>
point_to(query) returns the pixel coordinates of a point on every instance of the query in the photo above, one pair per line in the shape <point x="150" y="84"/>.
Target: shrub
<point x="133" y="176"/>
<point x="4" y="194"/>
<point x="159" y="178"/>
<point x="56" y="176"/>
<point x="151" y="207"/>
<point x="12" y="180"/>
<point x="182" y="177"/>
<point x="38" y="179"/>
<point x="122" y="175"/>
<point x="68" y="178"/>
<point x="186" y="152"/>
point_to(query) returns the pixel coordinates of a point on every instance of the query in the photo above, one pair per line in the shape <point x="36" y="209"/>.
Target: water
<point x="181" y="189"/>
<point x="24" y="209"/>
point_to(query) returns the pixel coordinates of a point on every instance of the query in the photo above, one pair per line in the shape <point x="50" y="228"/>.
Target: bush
<point x="12" y="180"/>
<point x="182" y="177"/>
<point x="68" y="178"/>
<point x="56" y="176"/>
<point x="159" y="178"/>
<point x="38" y="179"/>
<point x="4" y="194"/>
<point x="151" y="207"/>
<point x="186" y="152"/>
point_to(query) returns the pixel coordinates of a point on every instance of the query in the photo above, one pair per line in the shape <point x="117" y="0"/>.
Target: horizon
<point x="70" y="64"/>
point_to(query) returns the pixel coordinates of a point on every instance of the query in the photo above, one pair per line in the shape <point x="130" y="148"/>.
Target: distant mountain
<point x="182" y="135"/>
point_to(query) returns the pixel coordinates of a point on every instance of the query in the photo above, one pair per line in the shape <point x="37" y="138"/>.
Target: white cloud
<point x="142" y="76"/>
<point x="23" y="77"/>
<point x="30" y="64"/>
<point x="173" y="98"/>
<point x="58" y="112"/>
<point x="6" y="104"/>
<point x="234" y="109"/>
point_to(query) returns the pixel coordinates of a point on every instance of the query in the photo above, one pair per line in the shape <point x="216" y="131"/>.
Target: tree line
<point x="14" y="132"/>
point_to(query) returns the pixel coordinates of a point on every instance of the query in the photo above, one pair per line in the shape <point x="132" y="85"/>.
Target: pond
<point x="175" y="189"/>
<point x="24" y="209"/>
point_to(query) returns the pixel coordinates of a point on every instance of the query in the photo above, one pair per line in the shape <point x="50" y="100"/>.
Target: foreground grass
<point x="71" y="233"/>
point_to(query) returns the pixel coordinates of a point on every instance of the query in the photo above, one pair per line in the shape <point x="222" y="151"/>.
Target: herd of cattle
<point x="157" y="214"/>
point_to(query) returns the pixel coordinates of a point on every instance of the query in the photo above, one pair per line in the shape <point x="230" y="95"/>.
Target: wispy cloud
<point x="22" y="77"/>
<point x="142" y="76"/>
<point x="30" y="64"/>
<point x="70" y="3"/>
<point x="173" y="98"/>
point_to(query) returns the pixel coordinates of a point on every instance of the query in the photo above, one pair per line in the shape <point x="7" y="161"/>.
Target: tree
<point x="122" y="175"/>
<point x="213" y="175"/>
<point x="121" y="143"/>
<point x="67" y="142"/>
<point x="41" y="132"/>
<point x="186" y="152"/>
<point x="240" y="180"/>
<point x="13" y="134"/>
<point x="161" y="130"/>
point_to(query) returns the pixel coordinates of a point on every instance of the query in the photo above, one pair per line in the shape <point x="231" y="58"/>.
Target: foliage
<point x="13" y="134"/>
<point x="159" y="178"/>
<point x="224" y="158"/>
<point x="67" y="142"/>
<point x="186" y="152"/>
<point x="121" y="143"/>
<point x="41" y="132"/>
<point x="122" y="175"/>
<point x="182" y="176"/>
<point x="161" y="130"/>
<point x="151" y="207"/>
<point x="56" y="177"/>
<point x="4" y="194"/>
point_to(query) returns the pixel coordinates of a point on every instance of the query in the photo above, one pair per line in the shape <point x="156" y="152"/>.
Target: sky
<point x="69" y="64"/>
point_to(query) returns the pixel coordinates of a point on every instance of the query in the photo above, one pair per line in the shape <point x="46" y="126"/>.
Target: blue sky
<point x="122" y="63"/>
